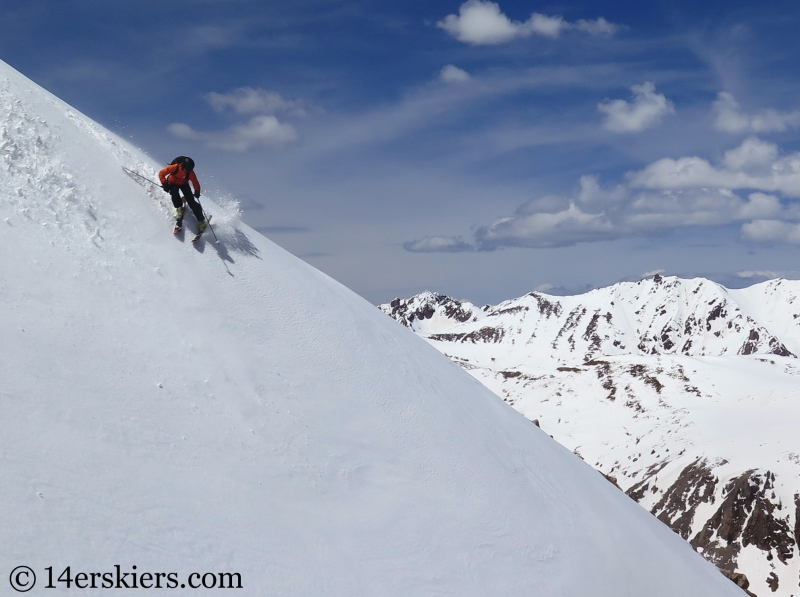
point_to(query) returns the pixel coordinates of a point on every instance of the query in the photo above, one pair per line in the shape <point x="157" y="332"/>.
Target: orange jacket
<point x="175" y="174"/>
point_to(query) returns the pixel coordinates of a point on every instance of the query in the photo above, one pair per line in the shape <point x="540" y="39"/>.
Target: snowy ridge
<point x="229" y="409"/>
<point x="429" y="312"/>
<point x="684" y="393"/>
<point x="659" y="316"/>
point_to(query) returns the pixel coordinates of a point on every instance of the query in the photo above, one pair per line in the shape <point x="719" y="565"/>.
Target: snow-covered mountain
<point x="227" y="410"/>
<point x="684" y="393"/>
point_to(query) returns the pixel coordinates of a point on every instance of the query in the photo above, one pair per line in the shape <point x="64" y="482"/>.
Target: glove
<point x="197" y="194"/>
<point x="166" y="186"/>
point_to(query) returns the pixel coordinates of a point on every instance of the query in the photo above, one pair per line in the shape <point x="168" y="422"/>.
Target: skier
<point x="175" y="180"/>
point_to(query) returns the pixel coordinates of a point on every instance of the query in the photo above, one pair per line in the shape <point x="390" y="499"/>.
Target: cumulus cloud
<point x="549" y="204"/>
<point x="730" y="118"/>
<point x="760" y="205"/>
<point x="246" y="100"/>
<point x="438" y="244"/>
<point x="753" y="186"/>
<point x="766" y="274"/>
<point x="639" y="214"/>
<point x="544" y="25"/>
<point x="261" y="131"/>
<point x="688" y="172"/>
<point x="558" y="229"/>
<point x="755" y="165"/>
<point x="453" y="74"/>
<point x="772" y="231"/>
<point x="655" y="272"/>
<point x="645" y="111"/>
<point x="595" y="198"/>
<point x="752" y="153"/>
<point x="480" y="22"/>
<point x="597" y="27"/>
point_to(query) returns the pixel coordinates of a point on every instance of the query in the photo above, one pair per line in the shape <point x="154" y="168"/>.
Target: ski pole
<point x="142" y="177"/>
<point x="205" y="215"/>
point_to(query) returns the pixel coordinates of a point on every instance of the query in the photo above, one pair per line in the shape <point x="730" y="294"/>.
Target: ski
<point x="199" y="234"/>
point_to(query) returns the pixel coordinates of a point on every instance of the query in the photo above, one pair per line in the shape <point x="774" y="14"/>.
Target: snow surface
<point x="228" y="408"/>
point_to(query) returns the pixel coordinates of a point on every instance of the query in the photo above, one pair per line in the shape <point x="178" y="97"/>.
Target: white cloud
<point x="655" y="272"/>
<point x="669" y="209"/>
<point x="544" y="25"/>
<point x="765" y="274"/>
<point x="753" y="165"/>
<point x="760" y="205"/>
<point x="645" y="111"/>
<point x="597" y="27"/>
<point x="558" y="229"/>
<point x="549" y="204"/>
<point x="480" y="22"/>
<point x="688" y="172"/>
<point x="246" y="100"/>
<point x="453" y="74"/>
<point x="438" y="244"/>
<point x="772" y="231"/>
<point x="634" y="214"/>
<point x="261" y="131"/>
<point x="730" y="119"/>
<point x="593" y="197"/>
<point x="666" y="195"/>
<point x="753" y="152"/>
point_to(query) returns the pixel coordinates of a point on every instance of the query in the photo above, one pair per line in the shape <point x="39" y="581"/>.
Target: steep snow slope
<point x="230" y="409"/>
<point x="686" y="393"/>
<point x="776" y="304"/>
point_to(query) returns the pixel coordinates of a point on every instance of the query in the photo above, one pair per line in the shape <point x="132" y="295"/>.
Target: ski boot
<point x="202" y="225"/>
<point x="179" y="211"/>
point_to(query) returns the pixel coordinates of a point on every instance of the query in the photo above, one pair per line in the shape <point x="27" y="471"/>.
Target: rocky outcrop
<point x="797" y="520"/>
<point x="485" y="334"/>
<point x="411" y="312"/>
<point x="678" y="504"/>
<point x="546" y="305"/>
<point x="754" y="342"/>
<point x="747" y="515"/>
<point x="740" y="580"/>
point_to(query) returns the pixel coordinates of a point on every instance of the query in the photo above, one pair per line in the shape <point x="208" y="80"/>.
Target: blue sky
<point x="477" y="149"/>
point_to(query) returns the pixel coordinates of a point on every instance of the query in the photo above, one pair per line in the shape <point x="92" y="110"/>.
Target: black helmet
<point x="187" y="163"/>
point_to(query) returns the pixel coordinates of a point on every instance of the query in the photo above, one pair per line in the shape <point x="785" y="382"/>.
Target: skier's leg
<point x="174" y="193"/>
<point x="193" y="204"/>
<point x="178" y="203"/>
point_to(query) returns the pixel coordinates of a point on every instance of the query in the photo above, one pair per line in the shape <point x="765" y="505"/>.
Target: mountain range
<point x="683" y="393"/>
